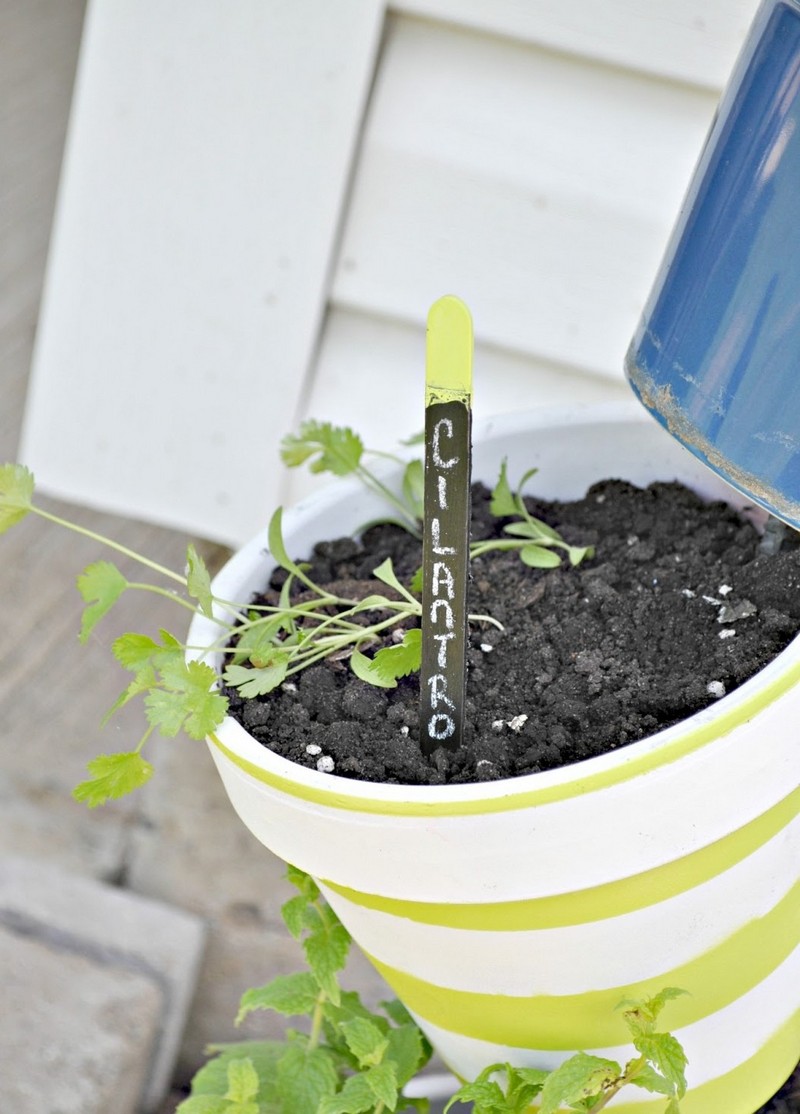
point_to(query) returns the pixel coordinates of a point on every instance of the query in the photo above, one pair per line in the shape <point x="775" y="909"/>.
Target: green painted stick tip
<point x="448" y="357"/>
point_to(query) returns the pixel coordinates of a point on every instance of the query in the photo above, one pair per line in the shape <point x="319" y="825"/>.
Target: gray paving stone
<point x="61" y="933"/>
<point x="76" y="1037"/>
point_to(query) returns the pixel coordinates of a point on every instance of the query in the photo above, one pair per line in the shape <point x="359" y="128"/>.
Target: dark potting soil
<point x="678" y="606"/>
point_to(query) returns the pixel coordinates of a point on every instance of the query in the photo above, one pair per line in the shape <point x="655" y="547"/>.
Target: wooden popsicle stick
<point x="445" y="542"/>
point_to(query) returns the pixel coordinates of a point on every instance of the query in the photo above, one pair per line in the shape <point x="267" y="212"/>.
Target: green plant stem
<point x="109" y="543"/>
<point x="317" y="1019"/>
<point x="170" y="596"/>
<point x="631" y="1071"/>
<point x="378" y="486"/>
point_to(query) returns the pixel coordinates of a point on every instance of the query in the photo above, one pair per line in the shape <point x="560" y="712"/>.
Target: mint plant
<point x="348" y="1059"/>
<point x="585" y="1082"/>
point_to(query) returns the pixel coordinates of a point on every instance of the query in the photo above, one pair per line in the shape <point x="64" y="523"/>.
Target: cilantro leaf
<point x="414" y="486"/>
<point x="537" y="557"/>
<point x="134" y="651"/>
<point x="185" y="702"/>
<point x="503" y="502"/>
<point x="113" y="775"/>
<point x="16" y="494"/>
<point x="257" y="682"/>
<point x="198" y="582"/>
<point x="337" y="449"/>
<point x="391" y="662"/>
<point x="101" y="585"/>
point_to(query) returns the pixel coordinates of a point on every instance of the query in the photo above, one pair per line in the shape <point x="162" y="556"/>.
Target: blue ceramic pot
<point x="716" y="357"/>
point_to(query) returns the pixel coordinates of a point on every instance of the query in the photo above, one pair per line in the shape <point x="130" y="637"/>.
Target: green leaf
<point x="113" y="775"/>
<point x="135" y="651"/>
<point x="186" y="701"/>
<point x="641" y="1014"/>
<point x="336" y="449"/>
<point x="581" y="1076"/>
<point x="144" y="680"/>
<point x="294" y="916"/>
<point x="666" y="1054"/>
<point x="16" y="494"/>
<point x="258" y="682"/>
<point x="305" y="1078"/>
<point x="198" y="582"/>
<point x="649" y="1080"/>
<point x="406" y="1051"/>
<point x="242" y="1081"/>
<point x="385" y="573"/>
<point x="577" y="553"/>
<point x="537" y="557"/>
<point x="204" y="1104"/>
<point x="414" y="487"/>
<point x="415" y="584"/>
<point x="101" y="585"/>
<point x="355" y="1097"/>
<point x="326" y="953"/>
<point x="291" y="995"/>
<point x="486" y="1094"/>
<point x="391" y="662"/>
<point x="382" y="1081"/>
<point x="212" y="1078"/>
<point x="302" y="882"/>
<point x="503" y="503"/>
<point x="365" y="1041"/>
<point x="257" y="642"/>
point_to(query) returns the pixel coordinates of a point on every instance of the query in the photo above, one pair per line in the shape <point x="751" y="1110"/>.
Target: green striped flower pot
<point x="511" y="917"/>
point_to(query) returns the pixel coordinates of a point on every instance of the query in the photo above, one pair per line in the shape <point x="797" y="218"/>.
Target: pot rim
<point x="631" y="760"/>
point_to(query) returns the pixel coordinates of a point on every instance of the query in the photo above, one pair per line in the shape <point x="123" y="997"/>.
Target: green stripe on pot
<point x="598" y="902"/>
<point x="635" y="766"/>
<point x="743" y="1089"/>
<point x="560" y="1022"/>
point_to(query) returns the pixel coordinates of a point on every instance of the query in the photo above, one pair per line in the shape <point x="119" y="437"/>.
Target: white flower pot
<point x="511" y="917"/>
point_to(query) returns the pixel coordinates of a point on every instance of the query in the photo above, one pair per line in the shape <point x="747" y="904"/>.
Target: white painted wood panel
<point x="371" y="375"/>
<point x="207" y="162"/>
<point x="540" y="188"/>
<point x="694" y="41"/>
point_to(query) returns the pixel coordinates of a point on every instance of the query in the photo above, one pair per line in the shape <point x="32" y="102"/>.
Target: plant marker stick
<point x="445" y="539"/>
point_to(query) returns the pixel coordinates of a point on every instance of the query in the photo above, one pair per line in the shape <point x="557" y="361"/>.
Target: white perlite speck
<point x="688" y="593"/>
<point x="715" y="688"/>
<point x="486" y="647"/>
<point x="724" y="589"/>
<point x="289" y="686"/>
<point x="729" y="632"/>
<point x="325" y="764"/>
<point x="517" y="723"/>
<point x="312" y="748"/>
<point x="404" y="729"/>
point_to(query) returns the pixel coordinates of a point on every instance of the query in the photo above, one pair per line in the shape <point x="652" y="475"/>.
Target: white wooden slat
<point x="207" y="162"/>
<point x="539" y="188"/>
<point x="371" y="375"/>
<point x="693" y="41"/>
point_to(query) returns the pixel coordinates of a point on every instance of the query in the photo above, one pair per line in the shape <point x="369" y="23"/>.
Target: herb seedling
<point x="350" y="1060"/>
<point x="585" y="1082"/>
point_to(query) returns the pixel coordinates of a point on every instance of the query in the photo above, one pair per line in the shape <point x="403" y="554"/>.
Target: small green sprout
<point x="347" y="1060"/>
<point x="585" y="1082"/>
